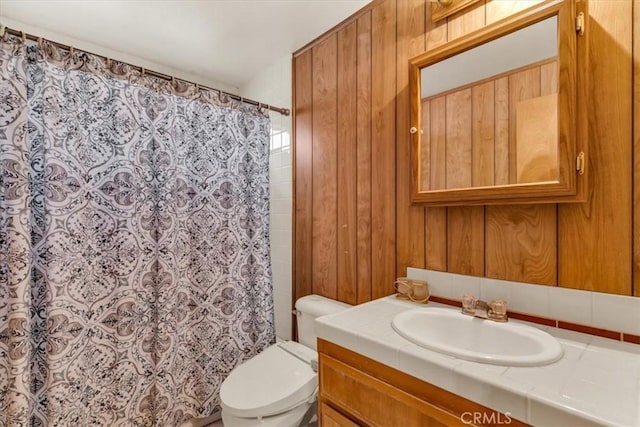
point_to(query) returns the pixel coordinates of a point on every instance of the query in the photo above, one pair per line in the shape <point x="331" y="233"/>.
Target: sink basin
<point x="450" y="332"/>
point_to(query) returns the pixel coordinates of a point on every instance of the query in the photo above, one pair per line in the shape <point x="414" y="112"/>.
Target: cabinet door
<point x="509" y="133"/>
<point x="376" y="403"/>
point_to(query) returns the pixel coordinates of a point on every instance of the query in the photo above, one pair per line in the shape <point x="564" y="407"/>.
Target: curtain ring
<point x="71" y="51"/>
<point x="23" y="36"/>
<point x="2" y="30"/>
<point x="40" y="42"/>
<point x="109" y="63"/>
<point x="142" y="71"/>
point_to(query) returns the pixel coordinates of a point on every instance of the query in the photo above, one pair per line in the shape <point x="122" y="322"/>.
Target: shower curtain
<point x="134" y="246"/>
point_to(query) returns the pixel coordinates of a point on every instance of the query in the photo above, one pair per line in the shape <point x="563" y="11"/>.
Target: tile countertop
<point x="597" y="381"/>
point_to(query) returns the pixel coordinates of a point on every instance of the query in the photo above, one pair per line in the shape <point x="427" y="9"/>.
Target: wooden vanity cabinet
<point x="356" y="390"/>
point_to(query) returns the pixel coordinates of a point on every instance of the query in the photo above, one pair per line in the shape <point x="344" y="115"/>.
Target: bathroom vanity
<point x="370" y="375"/>
<point x="357" y="390"/>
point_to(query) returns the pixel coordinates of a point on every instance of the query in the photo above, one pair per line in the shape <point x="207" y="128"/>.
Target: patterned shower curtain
<point x="134" y="247"/>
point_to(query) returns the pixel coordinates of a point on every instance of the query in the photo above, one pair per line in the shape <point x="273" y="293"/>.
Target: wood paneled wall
<point x="636" y="149"/>
<point x="355" y="229"/>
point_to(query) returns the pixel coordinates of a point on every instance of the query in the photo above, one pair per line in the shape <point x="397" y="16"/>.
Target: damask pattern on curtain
<point x="134" y="246"/>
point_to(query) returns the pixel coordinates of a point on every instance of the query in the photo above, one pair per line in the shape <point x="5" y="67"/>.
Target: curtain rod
<point x="283" y="111"/>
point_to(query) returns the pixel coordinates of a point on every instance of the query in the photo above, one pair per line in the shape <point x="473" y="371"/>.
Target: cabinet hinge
<point x="580" y="163"/>
<point x="580" y="24"/>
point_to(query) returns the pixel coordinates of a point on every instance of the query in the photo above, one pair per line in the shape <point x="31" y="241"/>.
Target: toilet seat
<point x="275" y="381"/>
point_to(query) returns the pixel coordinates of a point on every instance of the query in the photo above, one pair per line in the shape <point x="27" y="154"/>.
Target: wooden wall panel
<point x="465" y="225"/>
<point x="569" y="245"/>
<point x="347" y="164"/>
<point x="521" y="240"/>
<point x="363" y="137"/>
<point x="383" y="137"/>
<point x="303" y="168"/>
<point x="410" y="41"/>
<point x="636" y="150"/>
<point x="325" y="168"/>
<point x="435" y="224"/>
<point x="466" y="21"/>
<point x="465" y="235"/>
<point x="435" y="219"/>
<point x="594" y="238"/>
<point x="521" y="243"/>
<point x="435" y="32"/>
<point x="500" y="9"/>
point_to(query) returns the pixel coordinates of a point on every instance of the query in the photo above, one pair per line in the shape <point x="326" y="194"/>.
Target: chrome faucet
<point x="496" y="310"/>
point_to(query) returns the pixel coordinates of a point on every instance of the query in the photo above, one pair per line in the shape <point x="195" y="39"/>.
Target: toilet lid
<point x="270" y="383"/>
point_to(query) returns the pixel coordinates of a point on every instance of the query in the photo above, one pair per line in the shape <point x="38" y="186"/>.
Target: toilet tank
<point x="307" y="309"/>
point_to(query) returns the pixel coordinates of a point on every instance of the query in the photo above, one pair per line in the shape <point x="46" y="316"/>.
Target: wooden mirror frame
<point x="572" y="123"/>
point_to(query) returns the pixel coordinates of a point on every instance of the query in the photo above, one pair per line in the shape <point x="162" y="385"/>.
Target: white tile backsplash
<point x="273" y="86"/>
<point x="530" y="299"/>
<point x="495" y="289"/>
<point x="447" y="285"/>
<point x="617" y="313"/>
<point x="571" y="305"/>
<point x="612" y="312"/>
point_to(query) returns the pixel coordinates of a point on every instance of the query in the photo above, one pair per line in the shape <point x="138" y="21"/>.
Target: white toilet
<point x="278" y="386"/>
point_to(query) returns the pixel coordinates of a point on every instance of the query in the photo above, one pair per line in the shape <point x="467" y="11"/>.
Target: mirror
<point x="495" y="113"/>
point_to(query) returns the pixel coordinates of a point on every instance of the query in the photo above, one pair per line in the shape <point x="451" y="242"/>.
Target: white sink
<point x="450" y="332"/>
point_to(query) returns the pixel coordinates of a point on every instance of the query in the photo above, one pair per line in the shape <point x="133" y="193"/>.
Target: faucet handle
<point x="469" y="302"/>
<point x="498" y="310"/>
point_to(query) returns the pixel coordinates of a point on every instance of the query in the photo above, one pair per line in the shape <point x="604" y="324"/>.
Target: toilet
<point x="278" y="386"/>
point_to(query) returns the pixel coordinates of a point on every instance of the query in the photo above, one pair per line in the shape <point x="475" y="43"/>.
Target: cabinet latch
<point x="580" y="163"/>
<point x="580" y="24"/>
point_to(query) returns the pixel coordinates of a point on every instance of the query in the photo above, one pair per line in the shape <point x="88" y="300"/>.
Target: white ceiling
<point x="221" y="41"/>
